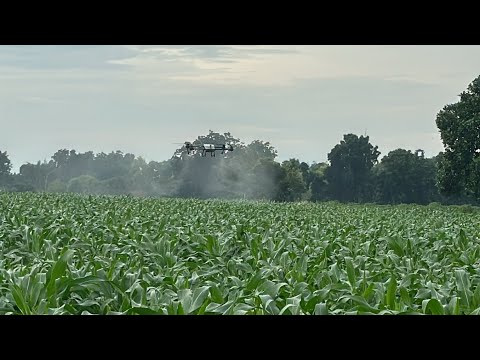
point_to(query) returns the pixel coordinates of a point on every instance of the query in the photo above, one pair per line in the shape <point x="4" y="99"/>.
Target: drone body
<point x="208" y="148"/>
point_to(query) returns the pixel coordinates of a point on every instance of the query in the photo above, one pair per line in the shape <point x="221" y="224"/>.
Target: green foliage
<point x="57" y="186"/>
<point x="294" y="184"/>
<point x="74" y="254"/>
<point x="318" y="182"/>
<point x="114" y="186"/>
<point x="349" y="173"/>
<point x="270" y="180"/>
<point x="249" y="172"/>
<point x="459" y="124"/>
<point x="5" y="168"/>
<point x="403" y="177"/>
<point x="84" y="184"/>
<point x="5" y="164"/>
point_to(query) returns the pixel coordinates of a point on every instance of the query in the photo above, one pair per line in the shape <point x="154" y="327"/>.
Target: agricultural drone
<point x="203" y="149"/>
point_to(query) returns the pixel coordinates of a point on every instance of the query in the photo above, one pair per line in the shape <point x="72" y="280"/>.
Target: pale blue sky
<point x="141" y="99"/>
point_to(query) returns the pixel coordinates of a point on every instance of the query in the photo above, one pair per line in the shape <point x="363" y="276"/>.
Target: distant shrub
<point x="467" y="209"/>
<point x="22" y="188"/>
<point x="84" y="184"/>
<point x="57" y="186"/>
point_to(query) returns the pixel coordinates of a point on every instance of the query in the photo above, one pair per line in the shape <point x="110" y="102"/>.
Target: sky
<point x="301" y="98"/>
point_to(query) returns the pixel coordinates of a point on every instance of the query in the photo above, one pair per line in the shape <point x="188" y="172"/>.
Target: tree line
<point x="354" y="171"/>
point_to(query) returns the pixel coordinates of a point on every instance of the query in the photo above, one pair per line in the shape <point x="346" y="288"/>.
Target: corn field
<point x="73" y="254"/>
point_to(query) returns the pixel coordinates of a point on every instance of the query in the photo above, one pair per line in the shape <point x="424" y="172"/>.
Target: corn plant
<point x="74" y="254"/>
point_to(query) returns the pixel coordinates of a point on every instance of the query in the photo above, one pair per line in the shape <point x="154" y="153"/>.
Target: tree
<point x="404" y="177"/>
<point x="84" y="184"/>
<point x="57" y="186"/>
<point x="293" y="186"/>
<point x="162" y="175"/>
<point x="245" y="181"/>
<point x="269" y="178"/>
<point x="113" y="186"/>
<point x="459" y="125"/>
<point x="114" y="164"/>
<point x="258" y="149"/>
<point x="204" y="177"/>
<point x="305" y="169"/>
<point x="20" y="184"/>
<point x="5" y="168"/>
<point x="141" y="178"/>
<point x="318" y="181"/>
<point x="61" y="157"/>
<point x="37" y="175"/>
<point x="349" y="173"/>
<point x="233" y="176"/>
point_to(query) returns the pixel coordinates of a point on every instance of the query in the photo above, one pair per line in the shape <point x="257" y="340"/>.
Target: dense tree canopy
<point x="459" y="125"/>
<point x="350" y="163"/>
<point x="294" y="185"/>
<point x="249" y="172"/>
<point x="404" y="177"/>
<point x="5" y="165"/>
<point x="5" y="168"/>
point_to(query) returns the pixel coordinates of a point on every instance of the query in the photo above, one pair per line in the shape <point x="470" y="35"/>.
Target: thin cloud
<point x="300" y="98"/>
<point x="215" y="65"/>
<point x="50" y="57"/>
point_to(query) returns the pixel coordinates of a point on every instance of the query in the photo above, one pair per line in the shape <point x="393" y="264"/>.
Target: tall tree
<point x="459" y="125"/>
<point x="37" y="175"/>
<point x="259" y="149"/>
<point x="203" y="177"/>
<point x="404" y="177"/>
<point x="318" y="181"/>
<point x="293" y="186"/>
<point x="349" y="173"/>
<point x="269" y="180"/>
<point x="61" y="157"/>
<point x="85" y="184"/>
<point x="5" y="167"/>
